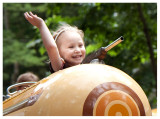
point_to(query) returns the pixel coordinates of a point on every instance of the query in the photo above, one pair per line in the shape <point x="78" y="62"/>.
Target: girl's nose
<point x="77" y="50"/>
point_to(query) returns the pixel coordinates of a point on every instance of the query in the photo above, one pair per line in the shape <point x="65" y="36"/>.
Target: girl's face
<point x="71" y="48"/>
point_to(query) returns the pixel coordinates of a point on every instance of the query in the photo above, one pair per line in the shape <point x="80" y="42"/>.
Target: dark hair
<point x="27" y="77"/>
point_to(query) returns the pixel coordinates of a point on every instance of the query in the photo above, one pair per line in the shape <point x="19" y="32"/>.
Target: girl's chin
<point x="76" y="63"/>
<point x="73" y="63"/>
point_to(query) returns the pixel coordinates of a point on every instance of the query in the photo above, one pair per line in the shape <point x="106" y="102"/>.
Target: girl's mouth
<point x="77" y="56"/>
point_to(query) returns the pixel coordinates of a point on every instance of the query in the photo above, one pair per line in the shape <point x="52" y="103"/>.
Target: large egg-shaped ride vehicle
<point x="82" y="90"/>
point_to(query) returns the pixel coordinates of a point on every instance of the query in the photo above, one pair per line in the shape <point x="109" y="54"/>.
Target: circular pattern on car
<point x="113" y="99"/>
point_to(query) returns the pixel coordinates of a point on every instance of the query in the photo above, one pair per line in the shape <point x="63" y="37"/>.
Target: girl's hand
<point x="33" y="19"/>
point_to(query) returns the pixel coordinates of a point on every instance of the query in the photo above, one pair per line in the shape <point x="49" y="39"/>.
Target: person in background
<point x="26" y="77"/>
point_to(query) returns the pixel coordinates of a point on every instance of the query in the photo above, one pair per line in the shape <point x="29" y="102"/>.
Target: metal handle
<point x="16" y="85"/>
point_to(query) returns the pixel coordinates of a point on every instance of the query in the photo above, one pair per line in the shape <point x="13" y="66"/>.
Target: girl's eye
<point x="80" y="45"/>
<point x="70" y="46"/>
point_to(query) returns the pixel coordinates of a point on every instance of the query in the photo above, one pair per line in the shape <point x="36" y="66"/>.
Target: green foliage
<point x="102" y="23"/>
<point x="15" y="51"/>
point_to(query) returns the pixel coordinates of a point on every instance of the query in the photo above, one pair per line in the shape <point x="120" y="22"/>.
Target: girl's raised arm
<point x="47" y="39"/>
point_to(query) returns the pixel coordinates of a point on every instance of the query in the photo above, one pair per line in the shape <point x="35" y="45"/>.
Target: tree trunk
<point x="15" y="73"/>
<point x="16" y="65"/>
<point x="6" y="24"/>
<point x="148" y="38"/>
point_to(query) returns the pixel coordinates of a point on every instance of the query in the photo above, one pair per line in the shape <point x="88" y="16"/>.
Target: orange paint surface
<point x="108" y="98"/>
<point x="112" y="111"/>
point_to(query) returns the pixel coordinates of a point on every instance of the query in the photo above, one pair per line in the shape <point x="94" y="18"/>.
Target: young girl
<point x="65" y="49"/>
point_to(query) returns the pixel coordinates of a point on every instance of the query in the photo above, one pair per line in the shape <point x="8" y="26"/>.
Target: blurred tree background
<point x="102" y="23"/>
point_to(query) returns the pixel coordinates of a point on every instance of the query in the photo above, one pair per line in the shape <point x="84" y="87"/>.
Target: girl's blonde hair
<point x="66" y="27"/>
